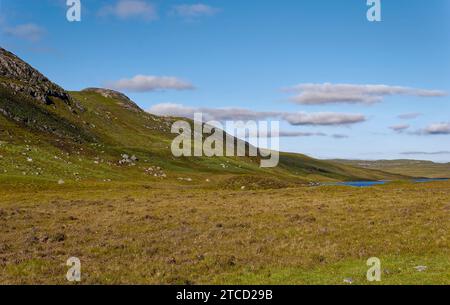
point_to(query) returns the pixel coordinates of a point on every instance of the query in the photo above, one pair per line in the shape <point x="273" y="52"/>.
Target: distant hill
<point x="48" y="134"/>
<point x="415" y="168"/>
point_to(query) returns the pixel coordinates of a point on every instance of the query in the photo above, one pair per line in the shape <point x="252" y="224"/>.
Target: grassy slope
<point x="177" y="235"/>
<point x="142" y="229"/>
<point x="415" y="168"/>
<point x="85" y="145"/>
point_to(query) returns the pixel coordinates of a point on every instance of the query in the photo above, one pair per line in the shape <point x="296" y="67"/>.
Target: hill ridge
<point x="38" y="123"/>
<point x="21" y="77"/>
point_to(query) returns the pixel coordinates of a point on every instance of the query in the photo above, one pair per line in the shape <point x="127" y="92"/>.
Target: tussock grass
<point x="162" y="234"/>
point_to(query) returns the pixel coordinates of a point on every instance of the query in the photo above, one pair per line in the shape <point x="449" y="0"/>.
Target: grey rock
<point x="348" y="280"/>
<point x="20" y="77"/>
<point x="421" y="268"/>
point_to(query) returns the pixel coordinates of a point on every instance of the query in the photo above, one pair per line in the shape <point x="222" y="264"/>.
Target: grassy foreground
<point x="161" y="233"/>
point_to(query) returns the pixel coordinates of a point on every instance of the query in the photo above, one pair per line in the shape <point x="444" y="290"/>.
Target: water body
<point x="362" y="183"/>
<point x="430" y="180"/>
<point x="373" y="183"/>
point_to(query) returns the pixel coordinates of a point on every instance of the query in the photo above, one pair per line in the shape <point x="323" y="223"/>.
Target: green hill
<point x="415" y="168"/>
<point x="48" y="134"/>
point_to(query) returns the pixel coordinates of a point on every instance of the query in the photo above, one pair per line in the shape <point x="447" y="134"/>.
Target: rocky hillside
<point x="20" y="77"/>
<point x="98" y="134"/>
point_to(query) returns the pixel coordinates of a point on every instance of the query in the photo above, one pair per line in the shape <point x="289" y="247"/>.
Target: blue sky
<point x="257" y="56"/>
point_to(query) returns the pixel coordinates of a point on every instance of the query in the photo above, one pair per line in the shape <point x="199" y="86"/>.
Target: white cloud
<point x="320" y="94"/>
<point x="29" y="31"/>
<point x="210" y="114"/>
<point x="193" y="10"/>
<point x="324" y="118"/>
<point x="409" y="116"/>
<point x="146" y="83"/>
<point x="437" y="129"/>
<point x="171" y="109"/>
<point x="125" y="9"/>
<point x="400" y="128"/>
<point x="236" y="114"/>
<point x="241" y="114"/>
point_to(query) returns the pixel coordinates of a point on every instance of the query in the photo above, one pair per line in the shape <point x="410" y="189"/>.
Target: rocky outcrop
<point x="20" y="77"/>
<point x="121" y="98"/>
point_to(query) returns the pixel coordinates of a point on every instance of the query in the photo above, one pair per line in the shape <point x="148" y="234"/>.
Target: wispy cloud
<point x="409" y="116"/>
<point x="146" y="83"/>
<point x="400" y="128"/>
<point x="191" y="11"/>
<point x="340" y="136"/>
<point x="226" y="114"/>
<point x="126" y="9"/>
<point x="283" y="134"/>
<point x="412" y="153"/>
<point x="327" y="93"/>
<point x="28" y="31"/>
<point x="211" y="114"/>
<point x="324" y="118"/>
<point x="297" y="134"/>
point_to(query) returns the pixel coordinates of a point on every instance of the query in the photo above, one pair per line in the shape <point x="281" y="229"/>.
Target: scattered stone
<point x="185" y="179"/>
<point x="127" y="160"/>
<point x="60" y="181"/>
<point x="348" y="280"/>
<point x="314" y="183"/>
<point x="155" y="172"/>
<point x="420" y="268"/>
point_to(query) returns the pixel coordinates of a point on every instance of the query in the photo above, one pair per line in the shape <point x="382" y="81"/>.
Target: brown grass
<point x="149" y="235"/>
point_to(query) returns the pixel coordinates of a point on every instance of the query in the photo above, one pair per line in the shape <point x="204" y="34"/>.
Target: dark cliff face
<point x="33" y="102"/>
<point x="20" y="77"/>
